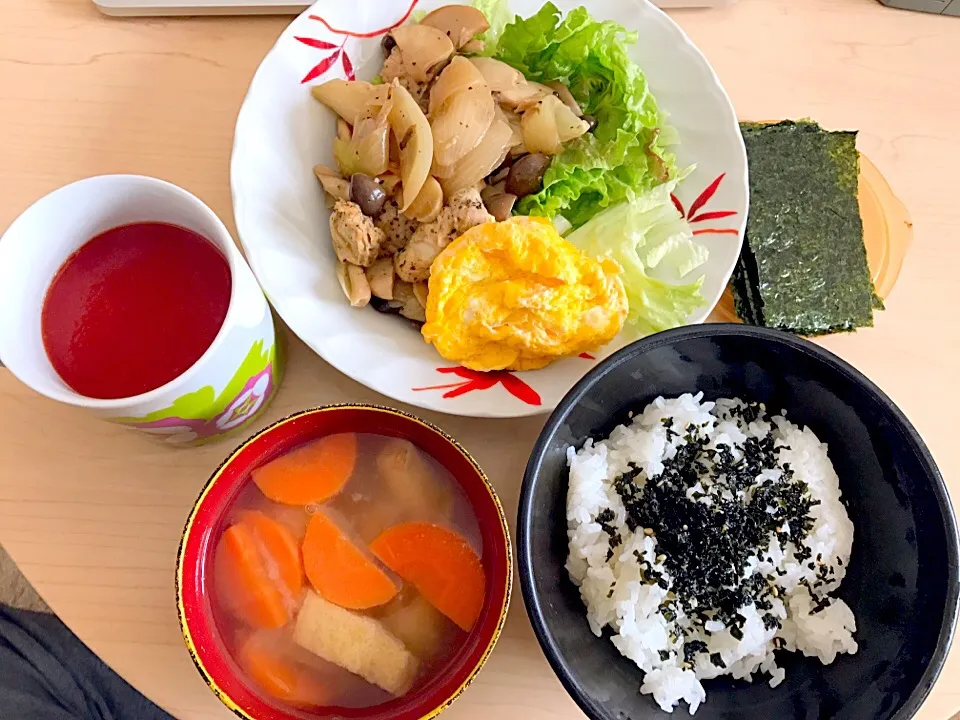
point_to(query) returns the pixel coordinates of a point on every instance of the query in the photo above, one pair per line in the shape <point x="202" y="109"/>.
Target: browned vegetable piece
<point x="526" y="174"/>
<point x="500" y="76"/>
<point x="563" y="92"/>
<point x="460" y="23"/>
<point x="428" y="203"/>
<point x="380" y="276"/>
<point x="421" y="291"/>
<point x="388" y="44"/>
<point x="354" y="283"/>
<point x="523" y="97"/>
<point x="367" y="193"/>
<point x="415" y="138"/>
<point x="390" y="181"/>
<point x="422" y="48"/>
<point x="349" y="98"/>
<point x="479" y="162"/>
<point x="406" y="300"/>
<point x="457" y="77"/>
<point x="367" y="150"/>
<point x="499" y="203"/>
<point x="332" y="183"/>
<point x="548" y="124"/>
<point x="461" y="111"/>
<point x="499" y="175"/>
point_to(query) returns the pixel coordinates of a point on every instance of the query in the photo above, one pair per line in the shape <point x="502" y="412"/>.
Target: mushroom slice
<point x="563" y="92"/>
<point x="526" y="174"/>
<point x="498" y="202"/>
<point x="354" y="283"/>
<point x="460" y="23"/>
<point x="415" y="140"/>
<point x="332" y="183"/>
<point x="428" y="204"/>
<point x="422" y="48"/>
<point x="349" y="98"/>
<point x="380" y="277"/>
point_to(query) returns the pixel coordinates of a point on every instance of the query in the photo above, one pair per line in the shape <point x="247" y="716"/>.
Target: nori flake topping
<point x="804" y="265"/>
<point x="705" y="547"/>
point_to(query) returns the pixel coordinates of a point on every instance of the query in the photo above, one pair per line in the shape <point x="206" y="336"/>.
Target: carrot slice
<point x="313" y="473"/>
<point x="264" y="663"/>
<point x="440" y="564"/>
<point x="257" y="571"/>
<point x="340" y="571"/>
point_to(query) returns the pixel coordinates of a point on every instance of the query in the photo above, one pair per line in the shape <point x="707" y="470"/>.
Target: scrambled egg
<point x="516" y="296"/>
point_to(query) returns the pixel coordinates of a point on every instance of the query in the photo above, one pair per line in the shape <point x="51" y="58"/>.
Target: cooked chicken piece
<point x="397" y="228"/>
<point x="356" y="239"/>
<point x="394" y="68"/>
<point x="466" y="210"/>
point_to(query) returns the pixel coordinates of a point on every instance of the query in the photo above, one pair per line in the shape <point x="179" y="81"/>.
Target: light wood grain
<point x="93" y="513"/>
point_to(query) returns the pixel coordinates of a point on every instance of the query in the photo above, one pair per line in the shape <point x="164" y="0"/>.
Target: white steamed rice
<point x="650" y="623"/>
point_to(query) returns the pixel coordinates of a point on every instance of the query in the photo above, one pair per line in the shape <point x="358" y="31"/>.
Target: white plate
<point x="282" y="217"/>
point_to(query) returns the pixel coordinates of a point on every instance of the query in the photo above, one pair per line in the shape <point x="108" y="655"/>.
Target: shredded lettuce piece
<point x="626" y="154"/>
<point x="654" y="244"/>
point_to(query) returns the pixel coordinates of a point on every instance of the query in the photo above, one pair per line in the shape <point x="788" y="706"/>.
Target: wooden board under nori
<point x="804" y="264"/>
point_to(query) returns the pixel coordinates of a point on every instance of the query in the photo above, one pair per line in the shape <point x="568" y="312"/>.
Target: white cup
<point x="223" y="391"/>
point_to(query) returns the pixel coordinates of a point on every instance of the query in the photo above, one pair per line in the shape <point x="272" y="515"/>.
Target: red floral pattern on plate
<point x="339" y="51"/>
<point x="693" y="215"/>
<point x="476" y="380"/>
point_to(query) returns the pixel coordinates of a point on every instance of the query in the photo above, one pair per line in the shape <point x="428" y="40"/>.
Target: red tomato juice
<point x="134" y="308"/>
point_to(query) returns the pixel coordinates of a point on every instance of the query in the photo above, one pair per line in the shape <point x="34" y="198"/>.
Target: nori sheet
<point x="804" y="265"/>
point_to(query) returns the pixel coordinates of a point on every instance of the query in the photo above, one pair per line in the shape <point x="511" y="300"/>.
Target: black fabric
<point x="46" y="673"/>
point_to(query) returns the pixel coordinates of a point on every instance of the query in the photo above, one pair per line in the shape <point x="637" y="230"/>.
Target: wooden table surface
<point x="93" y="513"/>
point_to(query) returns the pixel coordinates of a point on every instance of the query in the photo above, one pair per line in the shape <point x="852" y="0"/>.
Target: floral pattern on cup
<point x="204" y="415"/>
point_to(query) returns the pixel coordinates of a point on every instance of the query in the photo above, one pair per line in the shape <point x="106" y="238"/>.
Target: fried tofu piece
<point x="355" y="642"/>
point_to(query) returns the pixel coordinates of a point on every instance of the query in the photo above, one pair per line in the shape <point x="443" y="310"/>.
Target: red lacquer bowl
<point x="195" y="558"/>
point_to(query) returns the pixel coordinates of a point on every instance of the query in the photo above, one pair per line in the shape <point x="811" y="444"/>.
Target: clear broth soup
<point x="348" y="572"/>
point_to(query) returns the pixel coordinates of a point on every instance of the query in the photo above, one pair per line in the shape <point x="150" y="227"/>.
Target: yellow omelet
<point x="515" y="295"/>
